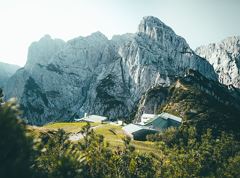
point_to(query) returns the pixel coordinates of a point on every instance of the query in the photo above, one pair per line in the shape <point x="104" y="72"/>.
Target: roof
<point x="170" y="116"/>
<point x="131" y="128"/>
<point x="148" y="115"/>
<point x="165" y="116"/>
<point x="92" y="118"/>
<point x="152" y="119"/>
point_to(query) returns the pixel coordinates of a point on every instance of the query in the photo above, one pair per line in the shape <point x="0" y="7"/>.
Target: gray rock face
<point x="225" y="58"/>
<point x="41" y="52"/>
<point x="151" y="101"/>
<point x="99" y="76"/>
<point x="6" y="71"/>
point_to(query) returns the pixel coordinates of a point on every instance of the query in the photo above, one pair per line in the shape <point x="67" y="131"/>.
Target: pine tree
<point x="16" y="154"/>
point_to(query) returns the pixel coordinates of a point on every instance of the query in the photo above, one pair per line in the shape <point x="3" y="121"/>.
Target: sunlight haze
<point x="25" y="21"/>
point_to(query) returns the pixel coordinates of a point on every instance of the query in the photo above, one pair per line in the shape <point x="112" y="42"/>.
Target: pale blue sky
<point x="24" y="21"/>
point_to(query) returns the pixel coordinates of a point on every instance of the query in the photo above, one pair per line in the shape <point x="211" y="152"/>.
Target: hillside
<point x="224" y="56"/>
<point x="63" y="80"/>
<point x="113" y="134"/>
<point x="204" y="103"/>
<point x="104" y="151"/>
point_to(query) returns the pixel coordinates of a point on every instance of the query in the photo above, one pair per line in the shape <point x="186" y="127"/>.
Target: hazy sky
<point x="24" y="21"/>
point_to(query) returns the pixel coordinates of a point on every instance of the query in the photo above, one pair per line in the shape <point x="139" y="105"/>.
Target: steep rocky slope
<point x="150" y="101"/>
<point x="6" y="71"/>
<point x="204" y="103"/>
<point x="95" y="75"/>
<point x="225" y="58"/>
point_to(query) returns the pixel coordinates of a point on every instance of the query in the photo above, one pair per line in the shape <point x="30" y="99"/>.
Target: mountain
<point x="225" y="58"/>
<point x="199" y="101"/>
<point x="6" y="71"/>
<point x="151" y="101"/>
<point x="95" y="75"/>
<point x="41" y="52"/>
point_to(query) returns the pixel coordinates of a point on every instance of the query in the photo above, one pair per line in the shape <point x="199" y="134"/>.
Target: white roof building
<point x="146" y="117"/>
<point x="138" y="132"/>
<point x="151" y="124"/>
<point x="170" y="116"/>
<point x="93" y="118"/>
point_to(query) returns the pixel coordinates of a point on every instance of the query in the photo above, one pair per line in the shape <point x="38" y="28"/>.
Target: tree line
<point x="182" y="153"/>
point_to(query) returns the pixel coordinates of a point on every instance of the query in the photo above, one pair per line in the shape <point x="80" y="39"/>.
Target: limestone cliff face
<point x="41" y="52"/>
<point x="225" y="58"/>
<point x="95" y="75"/>
<point x="151" y="101"/>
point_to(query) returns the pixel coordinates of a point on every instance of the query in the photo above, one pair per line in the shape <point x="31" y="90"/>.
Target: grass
<point x="113" y="134"/>
<point x="145" y="146"/>
<point x="69" y="127"/>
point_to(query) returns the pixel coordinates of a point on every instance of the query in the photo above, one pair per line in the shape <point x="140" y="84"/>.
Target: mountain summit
<point x="40" y="52"/>
<point x="154" y="27"/>
<point x="92" y="74"/>
<point x="225" y="58"/>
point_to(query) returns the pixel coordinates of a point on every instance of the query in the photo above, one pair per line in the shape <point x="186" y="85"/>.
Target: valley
<point x="135" y="105"/>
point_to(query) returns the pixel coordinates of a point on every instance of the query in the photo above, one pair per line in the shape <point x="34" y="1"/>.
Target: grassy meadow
<point x="113" y="134"/>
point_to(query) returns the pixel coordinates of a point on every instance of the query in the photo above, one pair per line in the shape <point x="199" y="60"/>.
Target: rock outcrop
<point x="95" y="75"/>
<point x="225" y="58"/>
<point x="151" y="101"/>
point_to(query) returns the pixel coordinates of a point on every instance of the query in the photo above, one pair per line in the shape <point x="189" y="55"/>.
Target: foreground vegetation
<point x="204" y="103"/>
<point x="181" y="153"/>
<point x="113" y="134"/>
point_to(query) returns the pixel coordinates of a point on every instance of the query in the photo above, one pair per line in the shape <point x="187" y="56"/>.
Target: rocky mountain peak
<point x="40" y="52"/>
<point x="99" y="76"/>
<point x="231" y="40"/>
<point x="225" y="58"/>
<point x="153" y="27"/>
<point x="99" y="34"/>
<point x="155" y="31"/>
<point x="46" y="37"/>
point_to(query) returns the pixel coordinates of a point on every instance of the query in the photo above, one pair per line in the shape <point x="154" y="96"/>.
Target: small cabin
<point x="154" y="125"/>
<point x="164" y="121"/>
<point x="138" y="132"/>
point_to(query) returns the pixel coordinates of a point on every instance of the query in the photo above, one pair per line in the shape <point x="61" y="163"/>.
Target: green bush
<point x="16" y="146"/>
<point x="183" y="152"/>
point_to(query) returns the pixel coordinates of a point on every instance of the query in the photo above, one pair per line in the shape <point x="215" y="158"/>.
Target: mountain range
<point x="63" y="80"/>
<point x="225" y="58"/>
